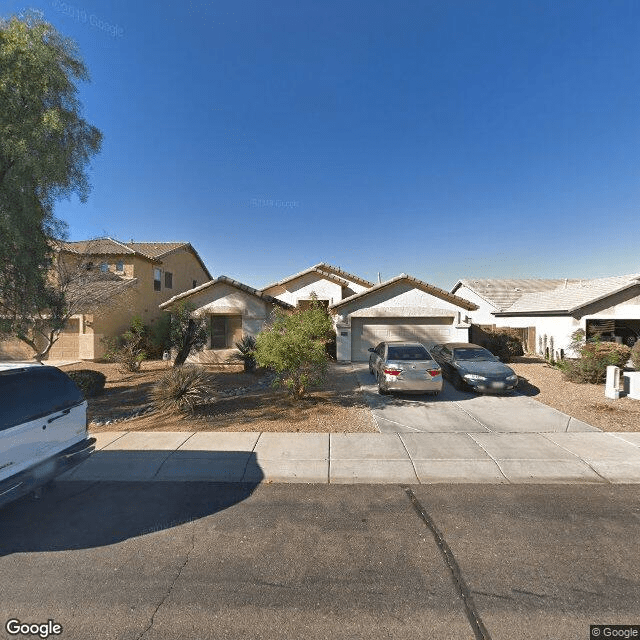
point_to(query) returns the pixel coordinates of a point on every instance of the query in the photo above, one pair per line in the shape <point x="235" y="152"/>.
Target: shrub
<point x="294" y="346"/>
<point x="503" y="343"/>
<point x="594" y="359"/>
<point x="158" y="337"/>
<point x="188" y="332"/>
<point x="247" y="349"/>
<point x="635" y="355"/>
<point x="90" y="382"/>
<point x="181" y="389"/>
<point x="128" y="349"/>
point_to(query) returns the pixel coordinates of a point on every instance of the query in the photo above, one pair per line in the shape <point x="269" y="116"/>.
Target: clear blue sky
<point x="443" y="138"/>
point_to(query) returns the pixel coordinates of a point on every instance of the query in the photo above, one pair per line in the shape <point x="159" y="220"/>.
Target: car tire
<point x="370" y="369"/>
<point x="381" y="391"/>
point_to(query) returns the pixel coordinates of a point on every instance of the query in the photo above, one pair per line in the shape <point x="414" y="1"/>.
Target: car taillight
<point x="393" y="372"/>
<point x="433" y="372"/>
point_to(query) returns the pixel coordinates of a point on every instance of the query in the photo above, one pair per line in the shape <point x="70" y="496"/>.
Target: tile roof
<point x="98" y="246"/>
<point x="424" y="286"/>
<point x="153" y="251"/>
<point x="575" y="295"/>
<point x="502" y="293"/>
<point x="233" y="283"/>
<point x="333" y="274"/>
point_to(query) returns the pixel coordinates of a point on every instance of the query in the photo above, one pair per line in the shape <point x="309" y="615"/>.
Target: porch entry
<point x="225" y="331"/>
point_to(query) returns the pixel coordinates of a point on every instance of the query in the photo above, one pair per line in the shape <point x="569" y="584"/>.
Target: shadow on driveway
<point x="93" y="513"/>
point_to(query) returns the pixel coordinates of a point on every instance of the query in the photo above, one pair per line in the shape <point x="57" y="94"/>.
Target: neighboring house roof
<point x="419" y="284"/>
<point x="570" y="298"/>
<point x="501" y="293"/>
<point x="333" y="274"/>
<point x="231" y="282"/>
<point x="153" y="251"/>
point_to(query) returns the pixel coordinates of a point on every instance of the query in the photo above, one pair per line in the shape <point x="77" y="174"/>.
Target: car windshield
<point x="476" y="354"/>
<point x="408" y="353"/>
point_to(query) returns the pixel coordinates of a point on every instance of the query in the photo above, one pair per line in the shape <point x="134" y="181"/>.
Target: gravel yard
<point x="582" y="401"/>
<point x="335" y="407"/>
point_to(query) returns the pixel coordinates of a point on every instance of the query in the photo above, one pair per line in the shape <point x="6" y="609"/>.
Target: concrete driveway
<point x="460" y="412"/>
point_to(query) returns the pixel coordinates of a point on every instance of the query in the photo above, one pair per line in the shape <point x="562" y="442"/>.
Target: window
<point x="104" y="267"/>
<point x="119" y="266"/>
<point x="168" y="280"/>
<point x="157" y="279"/>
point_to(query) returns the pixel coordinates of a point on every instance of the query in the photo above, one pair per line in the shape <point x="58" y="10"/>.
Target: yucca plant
<point x="181" y="389"/>
<point x="247" y="349"/>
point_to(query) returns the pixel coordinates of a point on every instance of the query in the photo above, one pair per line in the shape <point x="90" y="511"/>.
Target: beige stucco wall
<point x="302" y="289"/>
<point x="399" y="300"/>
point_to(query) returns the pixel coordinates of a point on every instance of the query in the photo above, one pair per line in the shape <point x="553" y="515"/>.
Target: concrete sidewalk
<point x="349" y="458"/>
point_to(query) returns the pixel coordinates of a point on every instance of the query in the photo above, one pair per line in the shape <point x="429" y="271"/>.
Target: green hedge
<point x="90" y="382"/>
<point x="503" y="344"/>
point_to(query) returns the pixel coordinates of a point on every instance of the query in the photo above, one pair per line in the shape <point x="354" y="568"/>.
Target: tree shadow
<point x="107" y="504"/>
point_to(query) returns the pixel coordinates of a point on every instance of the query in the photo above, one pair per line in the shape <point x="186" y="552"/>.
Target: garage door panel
<point x="369" y="332"/>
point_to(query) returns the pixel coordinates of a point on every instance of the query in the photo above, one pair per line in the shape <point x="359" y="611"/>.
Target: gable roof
<point x="327" y="271"/>
<point x="573" y="296"/>
<point x="158" y="250"/>
<point x="419" y="284"/>
<point x="231" y="282"/>
<point x="153" y="251"/>
<point x="502" y="293"/>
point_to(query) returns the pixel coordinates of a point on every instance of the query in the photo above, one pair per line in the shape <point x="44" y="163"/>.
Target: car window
<point x="408" y="353"/>
<point x="445" y="352"/>
<point x="33" y="393"/>
<point x="476" y="354"/>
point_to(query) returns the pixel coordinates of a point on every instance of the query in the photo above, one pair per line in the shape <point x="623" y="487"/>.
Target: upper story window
<point x="119" y="266"/>
<point x="104" y="267"/>
<point x="168" y="280"/>
<point x="157" y="279"/>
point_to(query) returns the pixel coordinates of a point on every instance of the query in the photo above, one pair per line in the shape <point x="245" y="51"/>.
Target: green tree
<point x="45" y="147"/>
<point x="294" y="346"/>
<point x="189" y="333"/>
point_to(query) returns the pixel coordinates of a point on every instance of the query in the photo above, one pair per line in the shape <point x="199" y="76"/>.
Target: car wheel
<point x="381" y="391"/>
<point x="370" y="369"/>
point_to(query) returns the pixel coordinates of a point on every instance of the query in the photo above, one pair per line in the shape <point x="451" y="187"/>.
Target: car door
<point x="43" y="414"/>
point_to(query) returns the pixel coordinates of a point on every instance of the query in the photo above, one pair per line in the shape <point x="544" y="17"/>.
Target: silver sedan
<point x="404" y="366"/>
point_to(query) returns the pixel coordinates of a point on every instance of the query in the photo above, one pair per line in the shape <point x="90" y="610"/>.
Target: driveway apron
<point x="458" y="412"/>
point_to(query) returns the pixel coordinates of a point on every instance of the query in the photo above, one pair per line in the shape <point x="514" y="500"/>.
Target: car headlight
<point x="512" y="378"/>
<point x="473" y="376"/>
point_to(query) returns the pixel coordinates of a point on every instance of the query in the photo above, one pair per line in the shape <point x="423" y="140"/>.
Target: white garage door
<point x="369" y="332"/>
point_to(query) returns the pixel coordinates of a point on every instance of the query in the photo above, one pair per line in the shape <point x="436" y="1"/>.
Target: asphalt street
<point x="129" y="560"/>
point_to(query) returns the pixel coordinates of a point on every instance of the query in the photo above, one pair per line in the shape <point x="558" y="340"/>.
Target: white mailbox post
<point x="612" y="385"/>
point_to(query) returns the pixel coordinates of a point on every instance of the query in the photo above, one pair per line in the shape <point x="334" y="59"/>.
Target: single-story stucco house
<point x="552" y="310"/>
<point x="402" y="308"/>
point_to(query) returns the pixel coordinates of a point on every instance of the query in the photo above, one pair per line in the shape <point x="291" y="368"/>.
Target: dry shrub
<point x="635" y="355"/>
<point x="181" y="389"/>
<point x="594" y="359"/>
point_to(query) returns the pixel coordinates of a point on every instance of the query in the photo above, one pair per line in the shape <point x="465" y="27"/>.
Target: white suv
<point x="43" y="427"/>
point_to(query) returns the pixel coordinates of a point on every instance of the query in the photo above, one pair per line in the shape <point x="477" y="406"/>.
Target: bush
<point x="158" y="337"/>
<point x="594" y="359"/>
<point x="635" y="355"/>
<point x="504" y="344"/>
<point x="294" y="346"/>
<point x="181" y="389"/>
<point x="128" y="350"/>
<point x="90" y="382"/>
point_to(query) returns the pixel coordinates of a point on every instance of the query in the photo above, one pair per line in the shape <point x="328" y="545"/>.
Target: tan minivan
<point x="43" y="427"/>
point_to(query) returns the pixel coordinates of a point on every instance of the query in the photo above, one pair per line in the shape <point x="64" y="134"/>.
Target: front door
<point x="225" y="331"/>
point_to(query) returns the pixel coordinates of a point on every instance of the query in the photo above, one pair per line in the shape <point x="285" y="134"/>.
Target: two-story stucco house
<point x="140" y="276"/>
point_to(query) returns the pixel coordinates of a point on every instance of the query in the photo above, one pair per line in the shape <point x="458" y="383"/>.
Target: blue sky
<point x="446" y="139"/>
